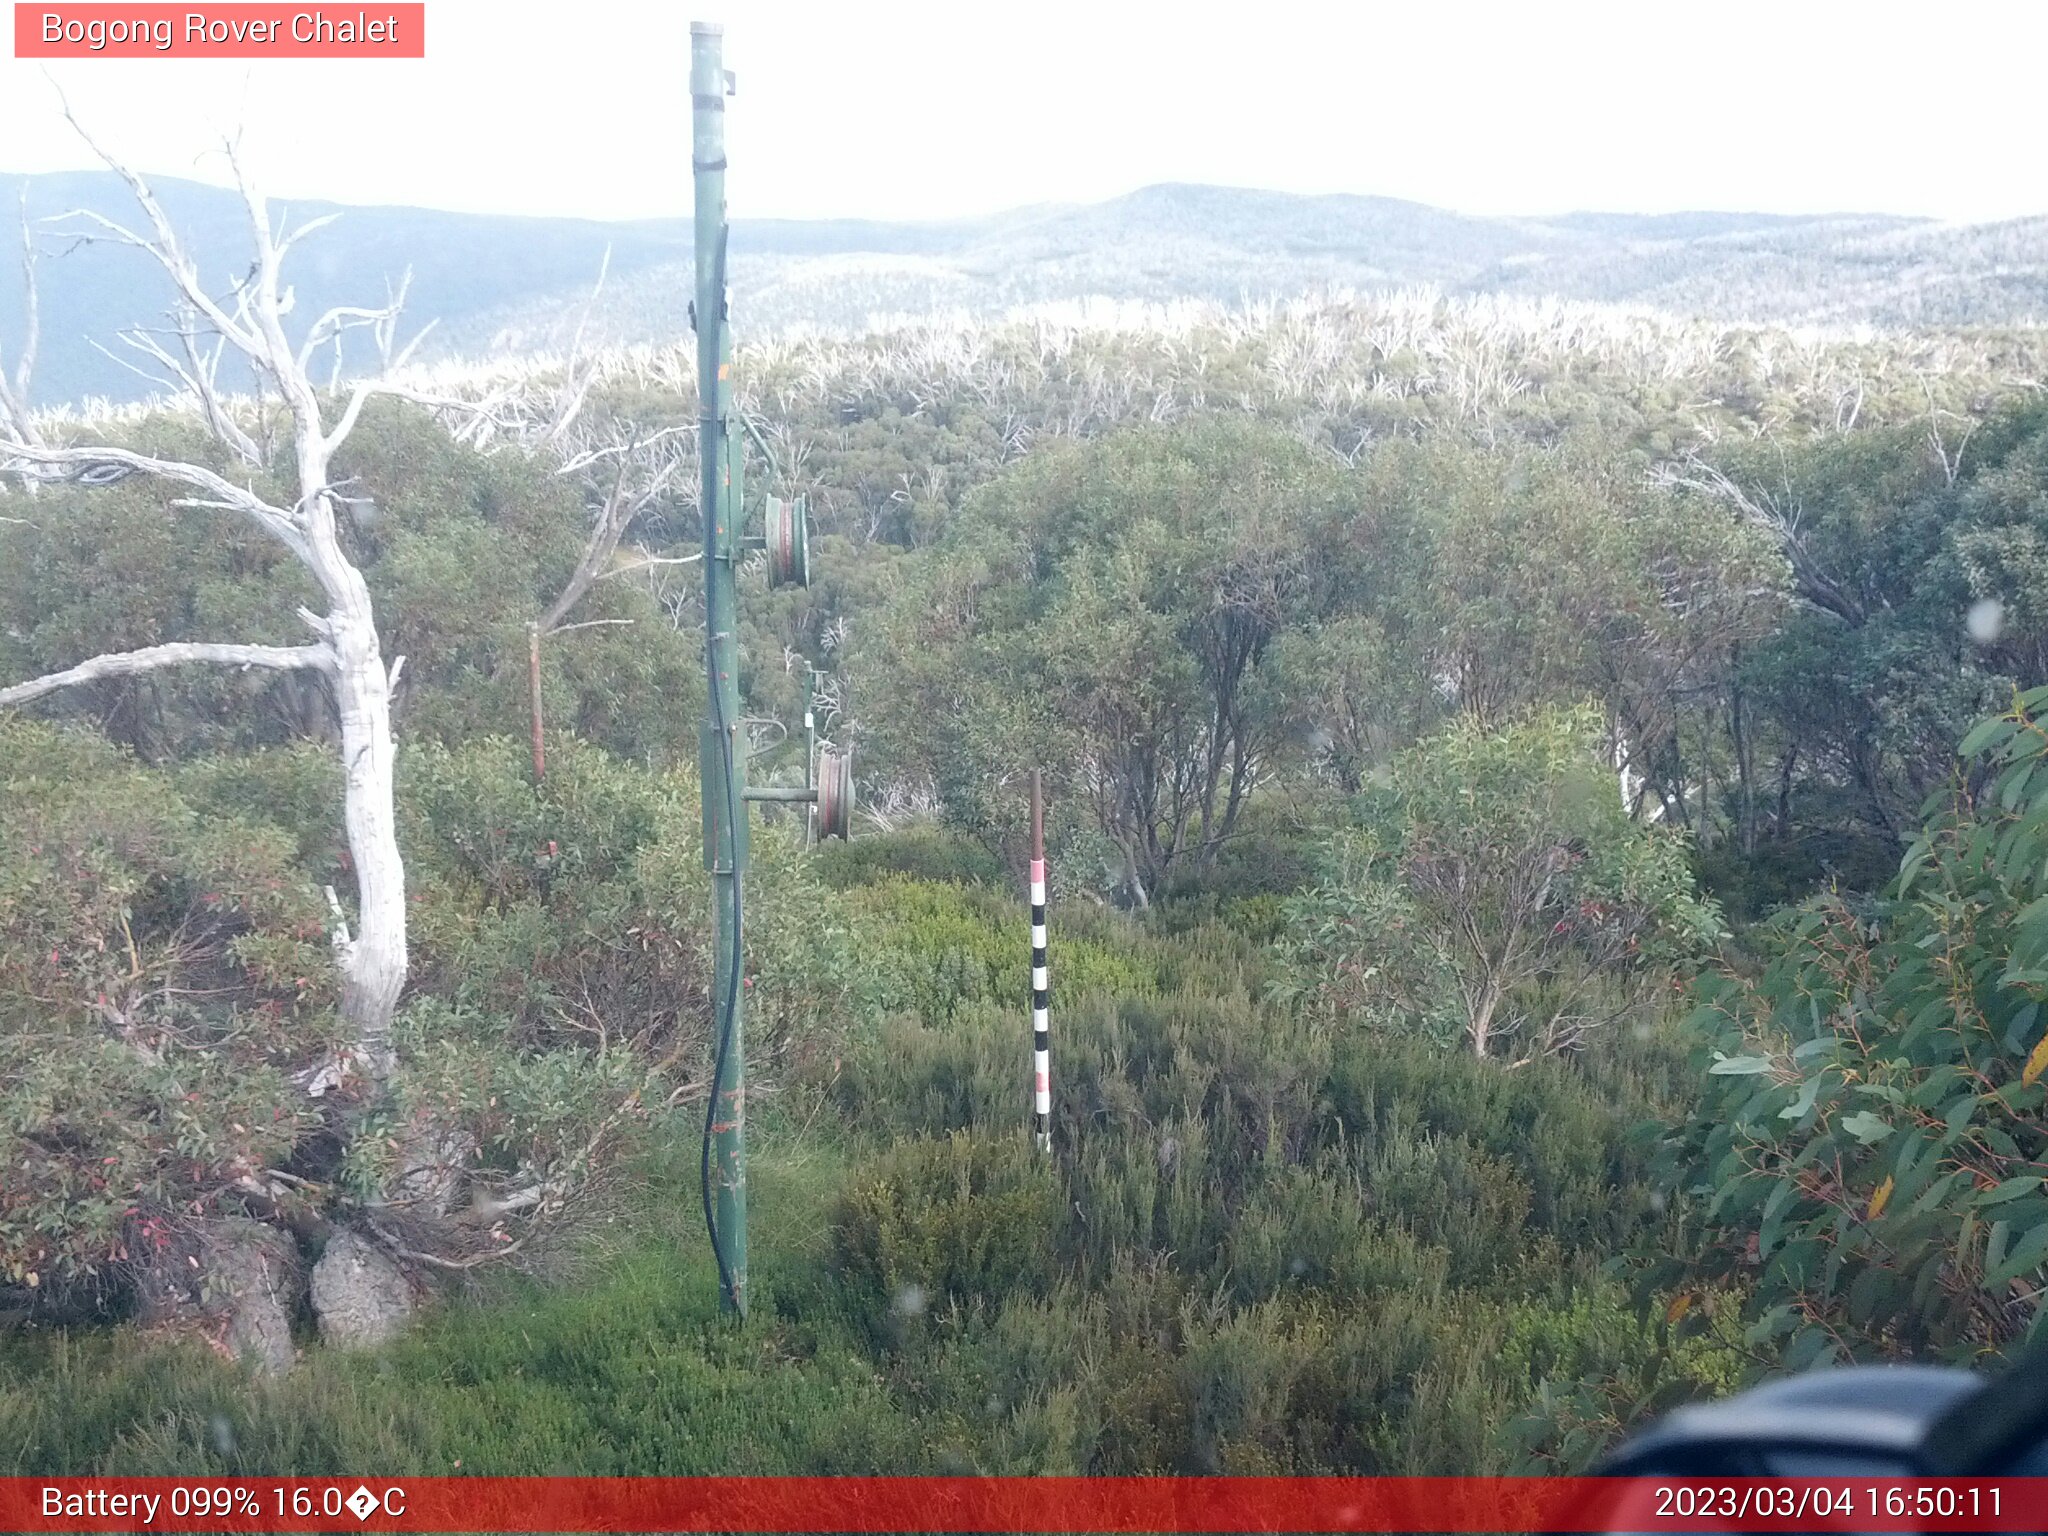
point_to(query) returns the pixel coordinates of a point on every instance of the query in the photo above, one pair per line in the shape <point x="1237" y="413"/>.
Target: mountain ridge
<point x="503" y="282"/>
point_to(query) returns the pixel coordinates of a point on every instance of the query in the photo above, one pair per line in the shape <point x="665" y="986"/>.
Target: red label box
<point x="380" y="30"/>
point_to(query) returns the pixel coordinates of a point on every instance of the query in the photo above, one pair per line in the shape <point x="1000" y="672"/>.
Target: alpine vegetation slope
<point x="1541" y="724"/>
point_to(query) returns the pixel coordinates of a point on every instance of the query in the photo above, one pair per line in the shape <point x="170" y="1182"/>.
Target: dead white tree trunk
<point x="641" y="469"/>
<point x="1778" y="514"/>
<point x="250" y="321"/>
<point x="14" y="412"/>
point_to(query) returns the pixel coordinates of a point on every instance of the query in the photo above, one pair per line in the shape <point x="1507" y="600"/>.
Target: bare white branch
<point x="333" y="325"/>
<point x="650" y="561"/>
<point x="626" y="447"/>
<point x="305" y="229"/>
<point x="576" y="382"/>
<point x="278" y="658"/>
<point x="97" y="464"/>
<point x="167" y="250"/>
<point x="1777" y="513"/>
<point x="196" y="374"/>
<point x="369" y="389"/>
<point x="339" y="938"/>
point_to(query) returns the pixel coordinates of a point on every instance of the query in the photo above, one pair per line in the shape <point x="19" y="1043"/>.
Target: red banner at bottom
<point x="1022" y="1504"/>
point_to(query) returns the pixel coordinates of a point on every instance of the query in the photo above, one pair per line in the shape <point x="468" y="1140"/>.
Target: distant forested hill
<point x="505" y="284"/>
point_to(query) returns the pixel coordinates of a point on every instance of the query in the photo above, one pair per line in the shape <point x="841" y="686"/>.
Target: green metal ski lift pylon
<point x="722" y="754"/>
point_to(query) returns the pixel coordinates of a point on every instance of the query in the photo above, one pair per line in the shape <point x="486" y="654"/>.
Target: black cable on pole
<point x="735" y="807"/>
<point x="725" y="1279"/>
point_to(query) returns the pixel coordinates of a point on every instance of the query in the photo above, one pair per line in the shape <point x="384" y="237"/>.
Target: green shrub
<point x="1499" y="868"/>
<point x="295" y="788"/>
<point x="164" y="970"/>
<point x="578" y="910"/>
<point x="948" y="1222"/>
<point x="160" y="977"/>
<point x="1276" y="849"/>
<point x="1868" y="1148"/>
<point x="917" y="853"/>
<point x="1570" y="1140"/>
<point x="934" y="950"/>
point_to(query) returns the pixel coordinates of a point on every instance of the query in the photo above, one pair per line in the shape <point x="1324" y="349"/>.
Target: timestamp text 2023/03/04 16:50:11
<point x="1822" y="1499"/>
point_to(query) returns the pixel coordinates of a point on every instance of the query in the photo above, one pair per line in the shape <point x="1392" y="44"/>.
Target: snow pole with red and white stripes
<point x="1041" y="1039"/>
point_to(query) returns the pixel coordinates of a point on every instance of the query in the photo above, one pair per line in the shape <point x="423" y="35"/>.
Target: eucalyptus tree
<point x="1493" y="890"/>
<point x="1916" y="562"/>
<point x="1477" y="583"/>
<point x="1107" y="610"/>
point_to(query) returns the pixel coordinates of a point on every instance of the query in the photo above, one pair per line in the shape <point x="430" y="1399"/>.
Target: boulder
<point x="237" y="1278"/>
<point x="257" y="1273"/>
<point x="360" y="1295"/>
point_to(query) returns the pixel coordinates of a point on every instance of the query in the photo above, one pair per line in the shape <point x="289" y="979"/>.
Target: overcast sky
<point x="916" y="110"/>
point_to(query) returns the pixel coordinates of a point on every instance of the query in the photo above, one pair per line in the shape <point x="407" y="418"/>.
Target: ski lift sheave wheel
<point x="835" y="795"/>
<point x="789" y="543"/>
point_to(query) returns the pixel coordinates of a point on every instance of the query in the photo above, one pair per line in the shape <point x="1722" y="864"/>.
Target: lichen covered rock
<point x="360" y="1295"/>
